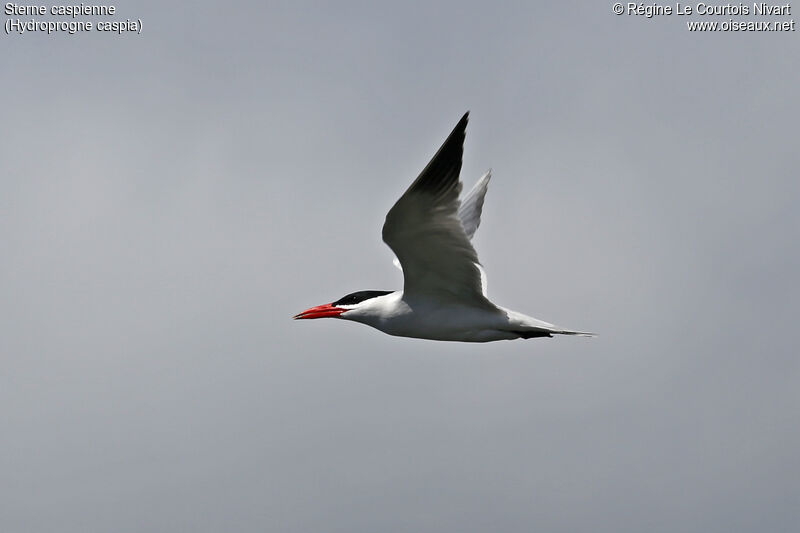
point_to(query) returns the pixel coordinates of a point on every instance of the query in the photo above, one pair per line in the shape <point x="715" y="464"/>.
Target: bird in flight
<point x="444" y="292"/>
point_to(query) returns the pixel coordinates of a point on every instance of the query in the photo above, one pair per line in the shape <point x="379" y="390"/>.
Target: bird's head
<point x="354" y="304"/>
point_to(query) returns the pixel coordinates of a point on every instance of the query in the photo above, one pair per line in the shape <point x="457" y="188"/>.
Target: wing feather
<point x="426" y="234"/>
<point x="472" y="205"/>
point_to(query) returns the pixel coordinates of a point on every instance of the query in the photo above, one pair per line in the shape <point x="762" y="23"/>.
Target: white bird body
<point x="444" y="297"/>
<point x="439" y="320"/>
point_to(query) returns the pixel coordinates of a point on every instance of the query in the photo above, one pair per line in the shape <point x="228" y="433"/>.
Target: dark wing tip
<point x="460" y="130"/>
<point x="441" y="173"/>
<point x="455" y="141"/>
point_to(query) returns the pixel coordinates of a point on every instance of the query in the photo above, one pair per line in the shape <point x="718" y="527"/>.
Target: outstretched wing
<point x="472" y="205"/>
<point x="426" y="234"/>
<point x="470" y="212"/>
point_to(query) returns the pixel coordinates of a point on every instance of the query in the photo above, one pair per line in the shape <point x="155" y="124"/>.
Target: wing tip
<point x="462" y="124"/>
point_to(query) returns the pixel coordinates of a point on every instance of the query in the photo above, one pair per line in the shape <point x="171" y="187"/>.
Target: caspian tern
<point x="444" y="293"/>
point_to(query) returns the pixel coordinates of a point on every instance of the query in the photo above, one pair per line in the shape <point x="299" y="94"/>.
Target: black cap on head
<point x="358" y="297"/>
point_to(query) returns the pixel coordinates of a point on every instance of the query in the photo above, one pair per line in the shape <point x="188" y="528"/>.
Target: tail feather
<point x="528" y="327"/>
<point x="537" y="333"/>
<point x="576" y="333"/>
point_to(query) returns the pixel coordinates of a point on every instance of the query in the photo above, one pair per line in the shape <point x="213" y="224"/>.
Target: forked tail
<point x="536" y="333"/>
<point x="576" y="333"/>
<point x="528" y="327"/>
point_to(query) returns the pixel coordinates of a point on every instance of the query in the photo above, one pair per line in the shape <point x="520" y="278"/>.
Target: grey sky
<point x="170" y="200"/>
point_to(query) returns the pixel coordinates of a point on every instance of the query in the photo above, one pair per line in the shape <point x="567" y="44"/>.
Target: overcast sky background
<point x="169" y="200"/>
